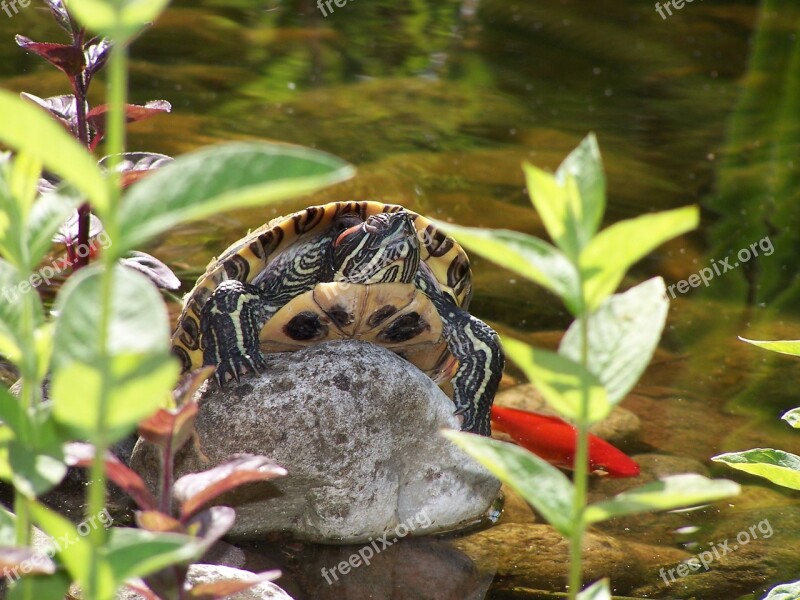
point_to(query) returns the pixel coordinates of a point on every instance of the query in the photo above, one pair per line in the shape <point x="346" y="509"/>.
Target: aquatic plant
<point x="105" y="348"/>
<point x="780" y="467"/>
<point x="602" y="354"/>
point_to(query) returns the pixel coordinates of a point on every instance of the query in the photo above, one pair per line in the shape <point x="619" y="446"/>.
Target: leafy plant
<point x="602" y="354"/>
<point x="106" y="348"/>
<point x="779" y="467"/>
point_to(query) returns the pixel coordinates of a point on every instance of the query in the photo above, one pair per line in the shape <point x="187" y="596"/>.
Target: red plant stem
<point x="80" y="91"/>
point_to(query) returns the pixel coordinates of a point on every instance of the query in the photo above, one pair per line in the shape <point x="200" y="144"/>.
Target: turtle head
<point x="382" y="249"/>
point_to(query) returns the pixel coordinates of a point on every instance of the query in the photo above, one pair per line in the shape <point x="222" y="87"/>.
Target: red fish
<point x="554" y="440"/>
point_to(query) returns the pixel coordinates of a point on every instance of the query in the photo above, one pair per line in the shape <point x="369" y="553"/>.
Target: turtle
<point x="361" y="269"/>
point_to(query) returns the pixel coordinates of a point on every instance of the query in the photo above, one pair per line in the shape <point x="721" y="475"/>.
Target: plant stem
<point x="581" y="475"/>
<point x="80" y="91"/>
<point x="117" y="91"/>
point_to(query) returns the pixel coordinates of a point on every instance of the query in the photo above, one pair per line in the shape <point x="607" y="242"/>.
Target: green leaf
<point x="34" y="472"/>
<point x="140" y="385"/>
<point x="8" y="528"/>
<point x="61" y="154"/>
<point x="614" y="250"/>
<point x="791" y="347"/>
<point x="523" y="254"/>
<point x="560" y="380"/>
<point x="120" y="18"/>
<point x="139" y="323"/>
<point x="675" y="491"/>
<point x="74" y="550"/>
<point x="792" y="417"/>
<point x="222" y="178"/>
<point x="48" y="214"/>
<point x="784" y="591"/>
<point x="599" y="590"/>
<point x="571" y="203"/>
<point x="536" y="480"/>
<point x="623" y="334"/>
<point x="41" y="586"/>
<point x="140" y="368"/>
<point x="782" y="468"/>
<point x="586" y="166"/>
<point x="11" y="413"/>
<point x="138" y="553"/>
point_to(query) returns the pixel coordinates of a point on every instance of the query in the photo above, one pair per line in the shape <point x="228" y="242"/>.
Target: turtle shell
<point x="246" y="258"/>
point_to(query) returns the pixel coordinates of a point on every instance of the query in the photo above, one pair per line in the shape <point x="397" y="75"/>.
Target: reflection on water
<point x="438" y="103"/>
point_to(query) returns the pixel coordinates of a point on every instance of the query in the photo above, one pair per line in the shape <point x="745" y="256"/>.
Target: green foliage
<point x="779" y="467"/>
<point x="535" y="479"/>
<point x="106" y="347"/>
<point x="212" y="180"/>
<point x="602" y="354"/>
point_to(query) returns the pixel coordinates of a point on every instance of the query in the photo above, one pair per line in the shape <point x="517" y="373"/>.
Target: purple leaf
<point x="133" y="113"/>
<point x="67" y="58"/>
<point x="35" y="561"/>
<point x="155" y="520"/>
<point x="215" y="590"/>
<point x="62" y="108"/>
<point x="61" y="15"/>
<point x="140" y="587"/>
<point x="197" y="489"/>
<point x="157" y="271"/>
<point x="67" y="234"/>
<point x="170" y="427"/>
<point x="96" y="54"/>
<point x="211" y="524"/>
<point x="135" y="165"/>
<point x="81" y="455"/>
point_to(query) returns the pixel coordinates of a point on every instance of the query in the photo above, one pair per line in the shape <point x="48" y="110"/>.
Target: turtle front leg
<point x="230" y="322"/>
<point x="480" y="366"/>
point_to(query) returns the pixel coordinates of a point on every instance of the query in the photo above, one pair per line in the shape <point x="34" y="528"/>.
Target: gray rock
<point x="211" y="573"/>
<point x="357" y="428"/>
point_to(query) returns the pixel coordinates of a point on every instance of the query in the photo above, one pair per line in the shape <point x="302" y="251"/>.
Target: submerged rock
<point x="357" y="428"/>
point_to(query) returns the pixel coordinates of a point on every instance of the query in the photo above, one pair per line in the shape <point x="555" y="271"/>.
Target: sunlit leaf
<point x="782" y="468"/>
<point x="571" y="202"/>
<point x="68" y="58"/>
<point x="195" y="490"/>
<point x="784" y="591"/>
<point x="211" y="524"/>
<point x="62" y="154"/>
<point x="139" y="385"/>
<point x="118" y="20"/>
<point x="536" y="480"/>
<point x="614" y="250"/>
<point x="48" y="214"/>
<point x="561" y="381"/>
<point x="213" y="180"/>
<point x="523" y="254"/>
<point x="138" y="324"/>
<point x="623" y="334"/>
<point x="669" y="493"/>
<point x="170" y="428"/>
<point x="599" y="590"/>
<point x="792" y="417"/>
<point x="791" y="347"/>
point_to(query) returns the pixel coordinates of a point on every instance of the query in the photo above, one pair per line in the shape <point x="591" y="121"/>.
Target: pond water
<point x="438" y="103"/>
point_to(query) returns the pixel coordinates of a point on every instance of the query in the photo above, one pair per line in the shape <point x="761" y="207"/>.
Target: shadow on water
<point x="438" y="103"/>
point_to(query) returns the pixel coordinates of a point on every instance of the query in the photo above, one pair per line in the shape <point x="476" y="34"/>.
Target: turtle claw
<point x="231" y="369"/>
